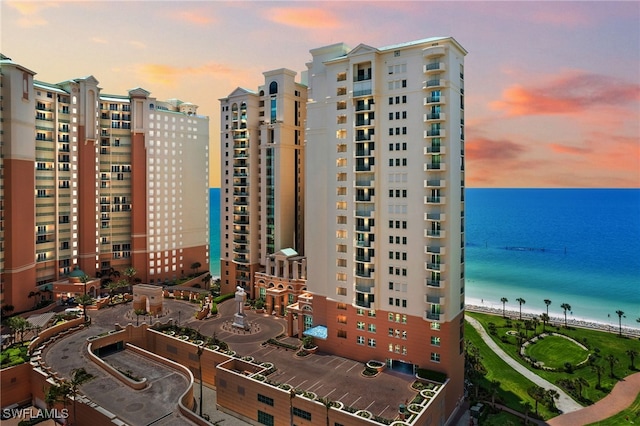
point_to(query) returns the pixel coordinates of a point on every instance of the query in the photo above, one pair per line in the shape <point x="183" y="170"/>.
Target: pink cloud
<point x="566" y="149"/>
<point x="485" y="149"/>
<point x="169" y="74"/>
<point x="304" y="17"/>
<point x="567" y="93"/>
<point x="30" y="12"/>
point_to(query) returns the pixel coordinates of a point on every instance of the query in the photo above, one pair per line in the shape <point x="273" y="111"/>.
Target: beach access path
<point x="564" y="403"/>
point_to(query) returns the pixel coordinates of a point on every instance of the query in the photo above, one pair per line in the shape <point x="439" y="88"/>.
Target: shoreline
<point x="557" y="321"/>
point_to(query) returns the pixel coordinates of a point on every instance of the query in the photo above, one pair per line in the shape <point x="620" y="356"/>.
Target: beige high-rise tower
<point x="96" y="181"/>
<point x="262" y="177"/>
<point x="385" y="204"/>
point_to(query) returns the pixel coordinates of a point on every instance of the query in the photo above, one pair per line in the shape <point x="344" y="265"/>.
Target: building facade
<point x="102" y="182"/>
<point x="262" y="176"/>
<point x="385" y="205"/>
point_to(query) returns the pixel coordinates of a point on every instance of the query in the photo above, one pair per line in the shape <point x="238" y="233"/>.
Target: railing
<point x="434" y="283"/>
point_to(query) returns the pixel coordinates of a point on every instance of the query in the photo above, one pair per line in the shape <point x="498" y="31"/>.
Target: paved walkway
<point x="621" y="397"/>
<point x="564" y="403"/>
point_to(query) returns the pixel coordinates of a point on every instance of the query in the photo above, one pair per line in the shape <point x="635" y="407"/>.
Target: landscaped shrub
<point x="223" y="297"/>
<point x="435" y="376"/>
<point x="214" y="308"/>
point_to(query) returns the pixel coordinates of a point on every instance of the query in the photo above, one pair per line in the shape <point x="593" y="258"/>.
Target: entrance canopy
<point x="319" y="332"/>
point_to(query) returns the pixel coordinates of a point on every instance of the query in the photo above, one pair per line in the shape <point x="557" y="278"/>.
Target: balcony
<point x="435" y="216"/>
<point x="240" y="155"/>
<point x="434" y="116"/>
<point x="241" y="231"/>
<point x="434" y="166"/>
<point x="369" y="122"/>
<point x="435" y="149"/>
<point x="364" y="183"/>
<point x="435" y="183"/>
<point x="240" y="202"/>
<point x="429" y="100"/>
<point x="240" y="174"/>
<point x="364" y="259"/>
<point x="240" y="240"/>
<point x="435" y="200"/>
<point x="435" y="250"/>
<point x="365" y="243"/>
<point x="433" y="51"/>
<point x="364" y="106"/>
<point x="433" y="317"/>
<point x="434" y="233"/>
<point x="364" y="228"/>
<point x="436" y="267"/>
<point x="364" y="138"/>
<point x="364" y="152"/>
<point x="435" y="133"/>
<point x="434" y="67"/>
<point x="366" y="273"/>
<point x="434" y="300"/>
<point x="365" y="198"/>
<point x="241" y="221"/>
<point x="364" y="213"/>
<point x="434" y="83"/>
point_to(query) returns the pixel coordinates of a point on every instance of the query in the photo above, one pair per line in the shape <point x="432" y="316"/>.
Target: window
<point x="341" y="291"/>
<point x="435" y="341"/>
<point x="435" y="357"/>
<point x="342" y="334"/>
<point x="360" y="340"/>
<point x="359" y="311"/>
<point x="371" y="343"/>
<point x="360" y="325"/>
<point x="371" y="328"/>
<point x="265" y="419"/>
<point x="435" y="326"/>
<point x="265" y="400"/>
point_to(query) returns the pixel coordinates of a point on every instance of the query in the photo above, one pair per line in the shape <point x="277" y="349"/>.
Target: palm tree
<point x="139" y="312"/>
<point x="84" y="300"/>
<point x="527" y="408"/>
<point x="538" y="395"/>
<point x="612" y="360"/>
<point x="550" y="396"/>
<point x="580" y="383"/>
<point x="620" y="315"/>
<point x="195" y="266"/>
<point x="566" y="307"/>
<point x="207" y="281"/>
<point x="130" y="272"/>
<point x="521" y="301"/>
<point x="78" y="377"/>
<point x="547" y="302"/>
<point x="17" y="325"/>
<point x="534" y="322"/>
<point x="598" y="369"/>
<point x="632" y="357"/>
<point x="494" y="388"/>
<point x="503" y="300"/>
<point x="545" y="318"/>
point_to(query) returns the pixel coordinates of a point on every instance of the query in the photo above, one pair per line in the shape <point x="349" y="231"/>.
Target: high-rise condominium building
<point x="384" y="205"/>
<point x="102" y="182"/>
<point x="262" y="176"/>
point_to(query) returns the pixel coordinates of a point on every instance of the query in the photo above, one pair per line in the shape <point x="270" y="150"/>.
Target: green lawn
<point x="513" y="385"/>
<point x="602" y="344"/>
<point x="555" y="351"/>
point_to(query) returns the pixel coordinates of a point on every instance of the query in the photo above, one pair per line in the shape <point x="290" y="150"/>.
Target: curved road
<point x="564" y="403"/>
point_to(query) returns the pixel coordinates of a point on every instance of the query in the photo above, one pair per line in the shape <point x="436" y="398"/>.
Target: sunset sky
<point x="552" y="89"/>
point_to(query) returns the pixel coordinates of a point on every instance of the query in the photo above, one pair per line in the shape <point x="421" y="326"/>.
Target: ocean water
<point x="214" y="231"/>
<point x="575" y="246"/>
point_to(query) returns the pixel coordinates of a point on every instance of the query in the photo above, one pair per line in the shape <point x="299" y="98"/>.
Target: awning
<point x="319" y="331"/>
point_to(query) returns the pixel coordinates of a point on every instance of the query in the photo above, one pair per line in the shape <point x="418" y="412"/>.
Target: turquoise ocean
<point x="575" y="246"/>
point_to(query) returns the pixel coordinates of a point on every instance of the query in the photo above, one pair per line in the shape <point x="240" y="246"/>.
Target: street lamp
<point x="84" y="280"/>
<point x="200" y="350"/>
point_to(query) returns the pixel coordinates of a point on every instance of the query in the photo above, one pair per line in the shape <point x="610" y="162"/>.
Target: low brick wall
<point x="52" y="331"/>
